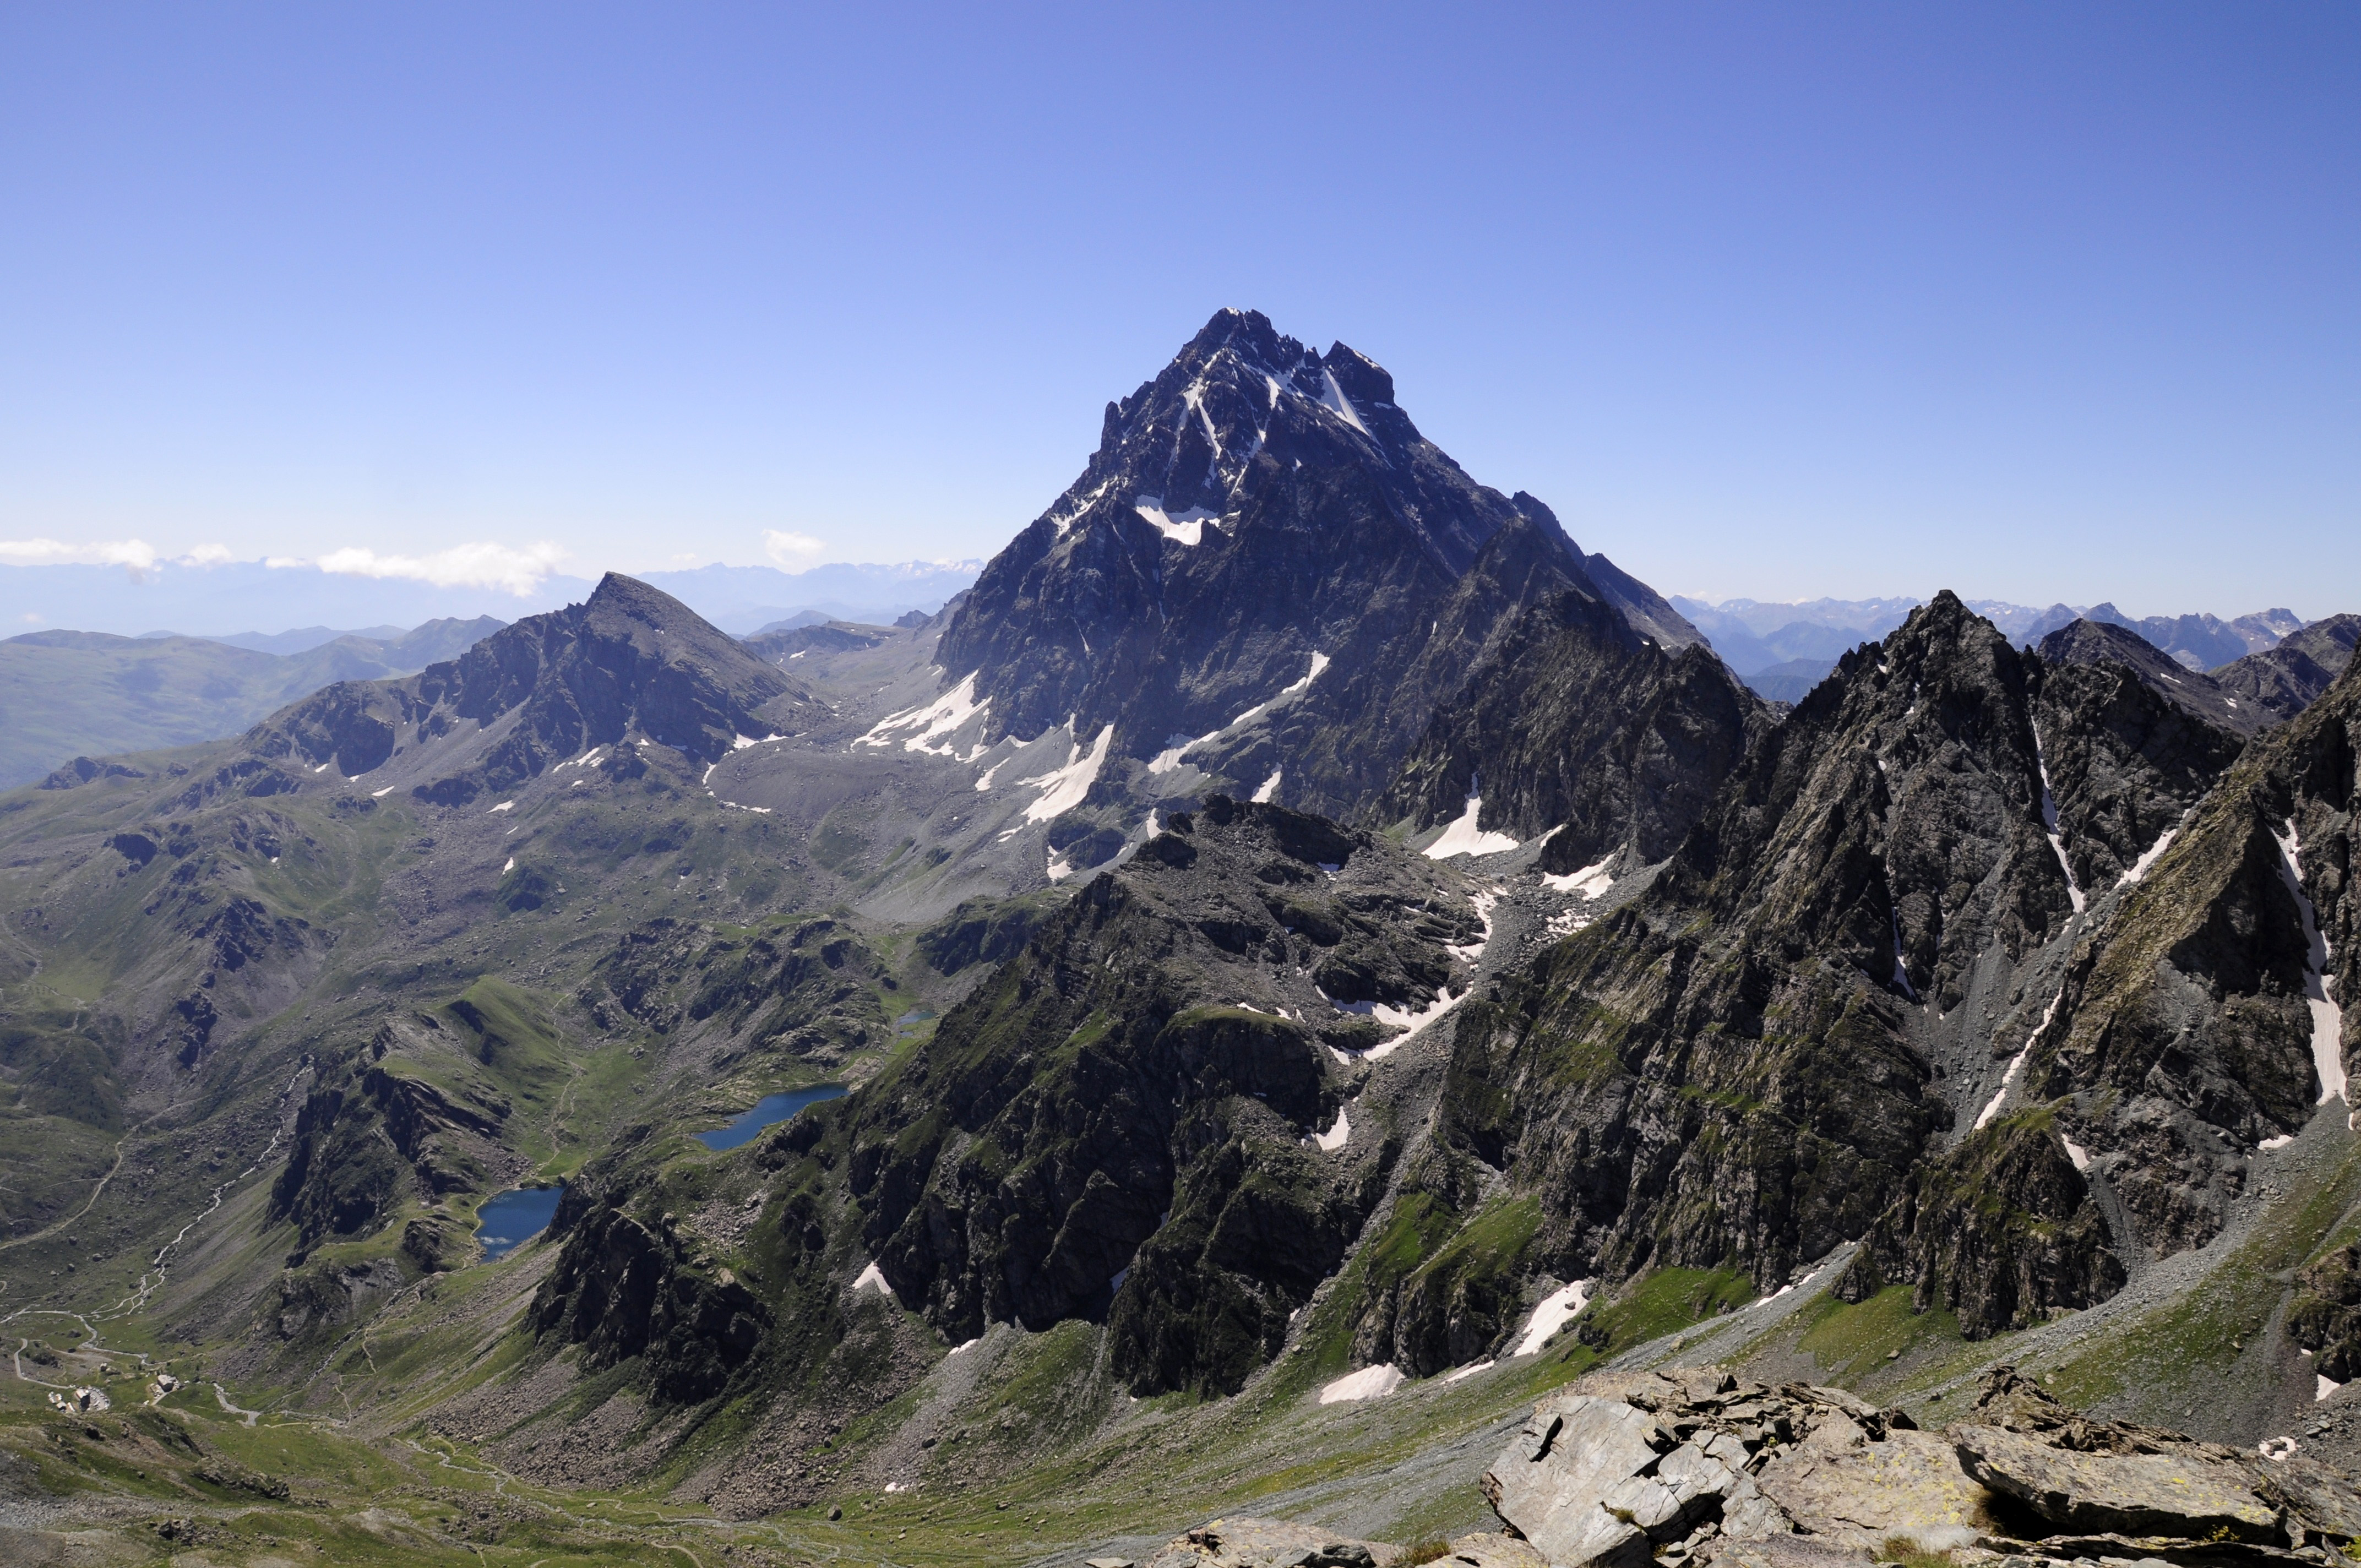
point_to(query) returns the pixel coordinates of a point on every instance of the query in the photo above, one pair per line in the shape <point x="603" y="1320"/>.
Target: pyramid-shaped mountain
<point x="1266" y="574"/>
<point x="629" y="663"/>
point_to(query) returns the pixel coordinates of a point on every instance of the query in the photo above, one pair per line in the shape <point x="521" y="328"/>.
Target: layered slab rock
<point x="2188" y="1493"/>
<point x="1843" y="1487"/>
<point x="1275" y="1543"/>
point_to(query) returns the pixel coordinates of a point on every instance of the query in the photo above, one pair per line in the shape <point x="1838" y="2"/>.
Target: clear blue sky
<point x="2036" y="302"/>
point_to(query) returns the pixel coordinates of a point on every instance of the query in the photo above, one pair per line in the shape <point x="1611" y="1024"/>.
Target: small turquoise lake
<point x="769" y="1111"/>
<point x="515" y="1217"/>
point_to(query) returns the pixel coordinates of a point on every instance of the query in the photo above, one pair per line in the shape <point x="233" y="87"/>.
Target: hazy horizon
<point x="1774" y="305"/>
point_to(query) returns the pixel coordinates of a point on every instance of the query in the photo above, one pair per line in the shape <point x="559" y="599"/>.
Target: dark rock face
<point x="2285" y="680"/>
<point x="365" y="1144"/>
<point x="1723" y="1071"/>
<point x="2127" y="753"/>
<point x="627" y="662"/>
<point x="2202" y="1005"/>
<point x="623" y="1288"/>
<point x="1254" y="506"/>
<point x="1117" y="1124"/>
<point x="803" y="985"/>
<point x="2325" y="1317"/>
<point x="2086" y="643"/>
<point x="1998" y="1228"/>
<point x="1577" y="722"/>
<point x="84" y="770"/>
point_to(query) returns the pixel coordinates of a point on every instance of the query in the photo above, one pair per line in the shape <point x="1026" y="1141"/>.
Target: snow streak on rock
<point x="2327" y="1018"/>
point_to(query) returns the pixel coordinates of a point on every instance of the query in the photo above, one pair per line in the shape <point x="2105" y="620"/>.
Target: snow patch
<point x="872" y="1277"/>
<point x="2141" y="867"/>
<point x="1187" y="528"/>
<point x="1553" y="1312"/>
<point x="962" y="1349"/>
<point x="2017" y="1063"/>
<point x="1590" y="881"/>
<point x="1269" y="786"/>
<point x="1060" y="869"/>
<point x="2076" y="1151"/>
<point x="740" y="742"/>
<point x="2050" y="824"/>
<point x="1473" y="1367"/>
<point x="985" y="783"/>
<point x="1063" y="788"/>
<point x="1465" y="838"/>
<point x="1472" y="953"/>
<point x="2277" y="1448"/>
<point x="945" y="714"/>
<point x="509" y="867"/>
<point x="381" y="794"/>
<point x="1333" y="398"/>
<point x="504" y="805"/>
<point x="1334" y="1138"/>
<point x="2278" y="1143"/>
<point x="2327" y="1018"/>
<point x="2322" y="1387"/>
<point x="1370" y="1382"/>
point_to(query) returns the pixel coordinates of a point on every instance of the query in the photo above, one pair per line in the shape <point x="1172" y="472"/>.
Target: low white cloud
<point x="205" y="556"/>
<point x="135" y="554"/>
<point x="517" y="570"/>
<point x="792" y="549"/>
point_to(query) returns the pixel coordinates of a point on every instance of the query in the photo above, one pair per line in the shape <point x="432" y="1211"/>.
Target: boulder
<point x="1553" y="1481"/>
<point x="1862" y="1493"/>
<point x="2322" y="1504"/>
<point x="1489" y="1549"/>
<point x="2188" y="1494"/>
<point x="1270" y="1543"/>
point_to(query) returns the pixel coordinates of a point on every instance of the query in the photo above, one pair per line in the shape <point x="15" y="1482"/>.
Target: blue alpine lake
<point x="515" y="1217"/>
<point x="768" y="1110"/>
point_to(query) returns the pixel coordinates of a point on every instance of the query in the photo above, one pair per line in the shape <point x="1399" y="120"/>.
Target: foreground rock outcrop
<point x="1692" y="1464"/>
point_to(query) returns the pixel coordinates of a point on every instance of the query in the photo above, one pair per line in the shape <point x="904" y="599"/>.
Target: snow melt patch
<point x="2050" y="824"/>
<point x="504" y="805"/>
<point x="872" y="1278"/>
<point x="381" y="794"/>
<point x="1472" y="953"/>
<point x="1590" y="881"/>
<point x="2278" y="1143"/>
<point x="1370" y="1382"/>
<point x="509" y="867"/>
<point x="1333" y="398"/>
<point x="1473" y="1367"/>
<point x="935" y="719"/>
<point x="1060" y="869"/>
<point x="1269" y="786"/>
<point x="1186" y="528"/>
<point x="2327" y="1018"/>
<point x="1063" y="788"/>
<point x="1465" y="838"/>
<point x="2076" y="1151"/>
<point x="1414" y="1024"/>
<point x="2142" y="866"/>
<point x="2017" y="1064"/>
<point x="2322" y="1387"/>
<point x="962" y="1349"/>
<point x="1550" y="1313"/>
<point x="1334" y="1138"/>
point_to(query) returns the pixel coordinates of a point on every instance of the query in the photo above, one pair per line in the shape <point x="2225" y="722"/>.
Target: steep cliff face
<point x="1769" y="1051"/>
<point x="1578" y="726"/>
<point x="2208" y="1011"/>
<point x="1258" y="520"/>
<point x="623" y="1288"/>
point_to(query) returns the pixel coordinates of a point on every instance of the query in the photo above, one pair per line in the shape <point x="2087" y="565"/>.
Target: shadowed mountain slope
<point x="1261" y="521"/>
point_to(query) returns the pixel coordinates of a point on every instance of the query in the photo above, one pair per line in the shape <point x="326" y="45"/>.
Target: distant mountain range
<point x="242" y="600"/>
<point x="1785" y="650"/>
<point x="68" y="694"/>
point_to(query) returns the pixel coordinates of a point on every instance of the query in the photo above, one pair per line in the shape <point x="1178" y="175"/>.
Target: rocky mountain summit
<point x="1263" y="522"/>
